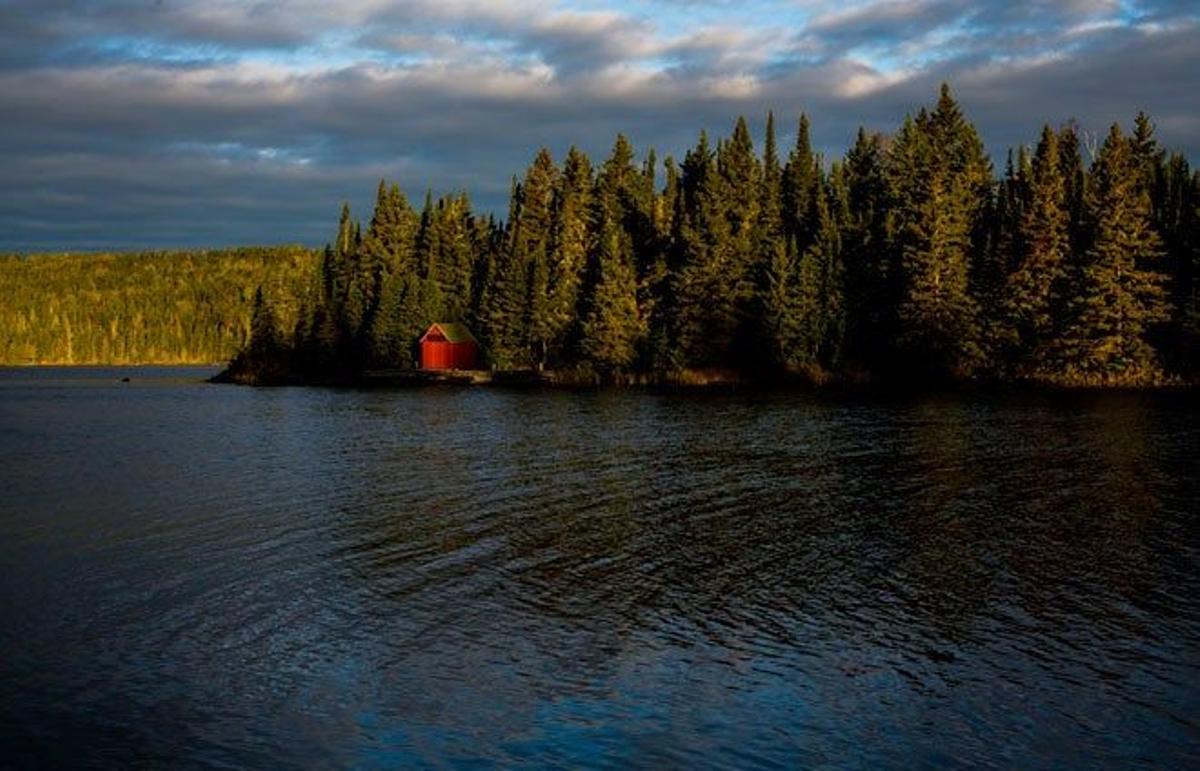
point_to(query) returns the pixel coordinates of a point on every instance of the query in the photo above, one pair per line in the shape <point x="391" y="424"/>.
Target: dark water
<point x="219" y="576"/>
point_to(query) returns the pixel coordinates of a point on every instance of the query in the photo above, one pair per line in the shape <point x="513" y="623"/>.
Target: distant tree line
<point x="178" y="307"/>
<point x="906" y="258"/>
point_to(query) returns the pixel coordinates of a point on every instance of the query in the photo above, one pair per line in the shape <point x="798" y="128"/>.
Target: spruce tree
<point x="799" y="185"/>
<point x="770" y="226"/>
<point x="939" y="180"/>
<point x="999" y="337"/>
<point x="265" y="339"/>
<point x="1074" y="177"/>
<point x="1031" y="298"/>
<point x="783" y="318"/>
<point x="403" y="316"/>
<point x="770" y="253"/>
<point x="870" y="277"/>
<point x="1122" y="293"/>
<point x="613" y="326"/>
<point x="568" y="252"/>
<point x="388" y="247"/>
<point x="704" y="314"/>
<point x="513" y="302"/>
<point x="663" y="354"/>
<point x="826" y="250"/>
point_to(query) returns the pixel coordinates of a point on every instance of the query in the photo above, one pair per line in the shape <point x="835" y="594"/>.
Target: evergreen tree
<point x="568" y="252"/>
<point x="1122" y="292"/>
<point x="1074" y="177"/>
<point x="344" y="245"/>
<point x="612" y="327"/>
<point x="770" y="227"/>
<point x="403" y="316"/>
<point x="870" y="276"/>
<point x="999" y="337"/>
<point x="939" y="180"/>
<point x="455" y="257"/>
<point x="704" y="316"/>
<point x="531" y="256"/>
<point x="265" y="340"/>
<point x="387" y="248"/>
<point x="513" y="301"/>
<point x="662" y="355"/>
<point x="741" y="185"/>
<point x="799" y="186"/>
<point x="428" y="266"/>
<point x="784" y="305"/>
<point x="825" y="250"/>
<point x="1031" y="295"/>
<point x="769" y="259"/>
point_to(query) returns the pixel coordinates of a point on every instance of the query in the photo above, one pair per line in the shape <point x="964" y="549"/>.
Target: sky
<point x="183" y="123"/>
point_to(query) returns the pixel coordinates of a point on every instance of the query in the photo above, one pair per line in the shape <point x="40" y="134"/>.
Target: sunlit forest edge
<point x="161" y="307"/>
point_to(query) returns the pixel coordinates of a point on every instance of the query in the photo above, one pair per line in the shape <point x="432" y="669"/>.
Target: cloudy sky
<point x="154" y="123"/>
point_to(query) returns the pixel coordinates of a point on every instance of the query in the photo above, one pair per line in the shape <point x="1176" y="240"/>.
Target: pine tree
<point x="1122" y="293"/>
<point x="799" y="186"/>
<point x="999" y="337"/>
<point x="769" y="258"/>
<point x="741" y="185"/>
<point x="826" y="251"/>
<point x="265" y="340"/>
<point x="513" y="302"/>
<point x="344" y="244"/>
<point x="805" y="350"/>
<point x="455" y="257"/>
<point x="387" y="248"/>
<point x="662" y="353"/>
<point x="568" y="252"/>
<point x="870" y="287"/>
<point x="783" y="318"/>
<point x="1074" y="177"/>
<point x="1147" y="156"/>
<point x="613" y="326"/>
<point x="403" y="315"/>
<point x="770" y="226"/>
<point x="939" y="180"/>
<point x="1032" y="291"/>
<point x="704" y="316"/>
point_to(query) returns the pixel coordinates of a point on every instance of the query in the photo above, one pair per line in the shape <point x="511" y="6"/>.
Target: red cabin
<point x="449" y="346"/>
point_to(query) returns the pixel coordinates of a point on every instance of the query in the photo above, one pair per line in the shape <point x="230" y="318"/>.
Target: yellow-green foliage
<point x="150" y="307"/>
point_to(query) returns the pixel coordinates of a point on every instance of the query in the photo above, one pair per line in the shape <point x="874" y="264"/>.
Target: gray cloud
<point x="177" y="129"/>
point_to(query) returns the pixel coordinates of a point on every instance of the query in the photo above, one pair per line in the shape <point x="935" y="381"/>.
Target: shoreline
<point x="685" y="381"/>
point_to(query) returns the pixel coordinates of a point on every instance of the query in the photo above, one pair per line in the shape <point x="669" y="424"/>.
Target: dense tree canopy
<point x="151" y="307"/>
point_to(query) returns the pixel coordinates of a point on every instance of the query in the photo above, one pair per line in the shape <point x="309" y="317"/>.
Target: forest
<point x="909" y="258"/>
<point x="150" y="307"/>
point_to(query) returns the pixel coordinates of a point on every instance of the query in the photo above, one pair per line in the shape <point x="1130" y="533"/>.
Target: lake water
<point x="220" y="576"/>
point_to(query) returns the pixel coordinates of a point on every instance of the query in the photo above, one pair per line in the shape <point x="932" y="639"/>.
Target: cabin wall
<point x="443" y="355"/>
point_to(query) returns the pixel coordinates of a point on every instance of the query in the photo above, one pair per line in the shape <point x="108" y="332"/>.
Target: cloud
<point x="193" y="123"/>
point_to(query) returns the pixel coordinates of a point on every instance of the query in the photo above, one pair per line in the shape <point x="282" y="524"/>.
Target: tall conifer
<point x="1122" y="292"/>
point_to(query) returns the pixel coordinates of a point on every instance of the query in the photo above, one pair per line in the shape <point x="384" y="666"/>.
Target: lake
<point x="205" y="575"/>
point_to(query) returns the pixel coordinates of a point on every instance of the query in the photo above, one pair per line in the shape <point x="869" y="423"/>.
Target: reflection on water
<point x="444" y="576"/>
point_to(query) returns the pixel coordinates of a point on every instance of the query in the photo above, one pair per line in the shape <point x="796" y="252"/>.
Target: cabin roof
<point x="454" y="333"/>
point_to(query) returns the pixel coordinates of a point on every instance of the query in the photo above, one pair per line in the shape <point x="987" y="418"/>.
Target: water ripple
<point x="461" y="577"/>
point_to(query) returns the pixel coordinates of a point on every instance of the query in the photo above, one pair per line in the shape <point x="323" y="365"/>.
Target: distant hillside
<point x="177" y="307"/>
